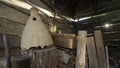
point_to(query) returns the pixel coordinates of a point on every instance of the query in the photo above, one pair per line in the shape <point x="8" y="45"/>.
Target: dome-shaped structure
<point x="35" y="34"/>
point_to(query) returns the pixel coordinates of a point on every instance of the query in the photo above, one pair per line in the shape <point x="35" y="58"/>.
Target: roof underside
<point x="98" y="13"/>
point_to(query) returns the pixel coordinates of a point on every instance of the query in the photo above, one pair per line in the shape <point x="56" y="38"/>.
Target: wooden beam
<point x="108" y="6"/>
<point x="40" y="4"/>
<point x="115" y="35"/>
<point x="114" y="27"/>
<point x="92" y="55"/>
<point x="91" y="25"/>
<point x="12" y="14"/>
<point x="81" y="49"/>
<point x="100" y="49"/>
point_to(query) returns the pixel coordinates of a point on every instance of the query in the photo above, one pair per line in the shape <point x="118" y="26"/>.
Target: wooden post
<point x="81" y="49"/>
<point x="7" y="51"/>
<point x="93" y="61"/>
<point x="107" y="55"/>
<point x="100" y="49"/>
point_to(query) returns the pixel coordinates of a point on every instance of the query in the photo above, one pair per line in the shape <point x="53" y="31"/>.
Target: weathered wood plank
<point x="93" y="61"/>
<point x="43" y="58"/>
<point x="62" y="56"/>
<point x="107" y="55"/>
<point x="65" y="40"/>
<point x="2" y="62"/>
<point x="7" y="51"/>
<point x="12" y="14"/>
<point x="10" y="27"/>
<point x="14" y="40"/>
<point x="13" y="43"/>
<point x="81" y="49"/>
<point x="15" y="51"/>
<point x="21" y="62"/>
<point x="100" y="49"/>
<point x="1" y="40"/>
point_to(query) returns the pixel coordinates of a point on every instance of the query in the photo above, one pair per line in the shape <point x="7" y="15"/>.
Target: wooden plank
<point x="14" y="51"/>
<point x="62" y="56"/>
<point x="61" y="65"/>
<point x="81" y="49"/>
<point x="93" y="61"/>
<point x="10" y="27"/>
<point x="12" y="14"/>
<point x="2" y="62"/>
<point x="7" y="51"/>
<point x="86" y="60"/>
<point x="1" y="40"/>
<point x="100" y="49"/>
<point x="13" y="40"/>
<point x="43" y="58"/>
<point x="65" y="40"/>
<point x="13" y="43"/>
<point x="107" y="55"/>
<point x="21" y="62"/>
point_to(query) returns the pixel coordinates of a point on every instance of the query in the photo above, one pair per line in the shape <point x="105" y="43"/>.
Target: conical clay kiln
<point x="35" y="34"/>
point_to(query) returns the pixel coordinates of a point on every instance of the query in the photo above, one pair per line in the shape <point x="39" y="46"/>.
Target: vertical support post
<point x="81" y="49"/>
<point x="100" y="49"/>
<point x="93" y="61"/>
<point x="7" y="51"/>
<point x="107" y="55"/>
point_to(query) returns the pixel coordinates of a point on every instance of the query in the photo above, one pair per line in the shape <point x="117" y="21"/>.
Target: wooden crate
<point x="65" y="40"/>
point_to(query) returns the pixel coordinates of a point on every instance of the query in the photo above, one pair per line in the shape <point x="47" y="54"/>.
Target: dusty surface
<point x="35" y="34"/>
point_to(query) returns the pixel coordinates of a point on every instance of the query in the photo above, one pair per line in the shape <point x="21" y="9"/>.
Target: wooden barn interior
<point x="59" y="33"/>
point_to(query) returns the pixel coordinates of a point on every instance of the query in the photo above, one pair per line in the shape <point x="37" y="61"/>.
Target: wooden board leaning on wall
<point x="65" y="40"/>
